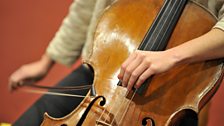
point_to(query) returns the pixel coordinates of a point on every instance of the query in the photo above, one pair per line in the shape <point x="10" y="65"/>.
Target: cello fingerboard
<point x="157" y="37"/>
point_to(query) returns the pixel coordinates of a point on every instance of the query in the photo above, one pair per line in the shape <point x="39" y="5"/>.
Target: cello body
<point x="169" y="97"/>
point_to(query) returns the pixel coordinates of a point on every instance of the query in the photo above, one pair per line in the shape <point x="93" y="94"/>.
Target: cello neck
<point x="157" y="37"/>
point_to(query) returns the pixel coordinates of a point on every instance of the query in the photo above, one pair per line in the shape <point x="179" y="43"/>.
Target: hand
<point x="30" y="73"/>
<point x="140" y="65"/>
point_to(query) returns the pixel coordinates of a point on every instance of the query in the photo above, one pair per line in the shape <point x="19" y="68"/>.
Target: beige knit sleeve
<point x="220" y="23"/>
<point x="66" y="46"/>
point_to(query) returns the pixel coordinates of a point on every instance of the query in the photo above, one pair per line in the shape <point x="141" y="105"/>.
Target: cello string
<point x="123" y="101"/>
<point x="126" y="110"/>
<point x="165" y="22"/>
<point x="169" y="23"/>
<point x="153" y="32"/>
<point x="101" y="116"/>
<point x="113" y="107"/>
<point x="151" y="47"/>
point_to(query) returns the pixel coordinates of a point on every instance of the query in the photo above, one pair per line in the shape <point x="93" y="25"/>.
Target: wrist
<point x="177" y="56"/>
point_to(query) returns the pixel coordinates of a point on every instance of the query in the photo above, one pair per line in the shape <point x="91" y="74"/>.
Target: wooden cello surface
<point x="168" y="97"/>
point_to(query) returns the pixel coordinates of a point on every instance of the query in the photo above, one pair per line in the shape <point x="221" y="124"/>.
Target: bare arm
<point x="208" y="46"/>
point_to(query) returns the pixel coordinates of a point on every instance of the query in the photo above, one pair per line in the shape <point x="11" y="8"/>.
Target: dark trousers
<point x="57" y="106"/>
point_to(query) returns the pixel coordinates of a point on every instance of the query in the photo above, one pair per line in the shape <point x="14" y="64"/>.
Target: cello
<point x="164" y="99"/>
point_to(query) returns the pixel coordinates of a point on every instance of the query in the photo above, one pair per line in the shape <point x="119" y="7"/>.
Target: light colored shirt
<point x="216" y="7"/>
<point x="75" y="35"/>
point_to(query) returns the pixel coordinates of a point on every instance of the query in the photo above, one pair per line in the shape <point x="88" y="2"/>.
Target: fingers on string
<point x="125" y="64"/>
<point x="136" y="74"/>
<point x="130" y="69"/>
<point x="142" y="78"/>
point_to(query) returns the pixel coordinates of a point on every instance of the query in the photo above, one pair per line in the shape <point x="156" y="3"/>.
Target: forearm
<point x="208" y="46"/>
<point x="47" y="61"/>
